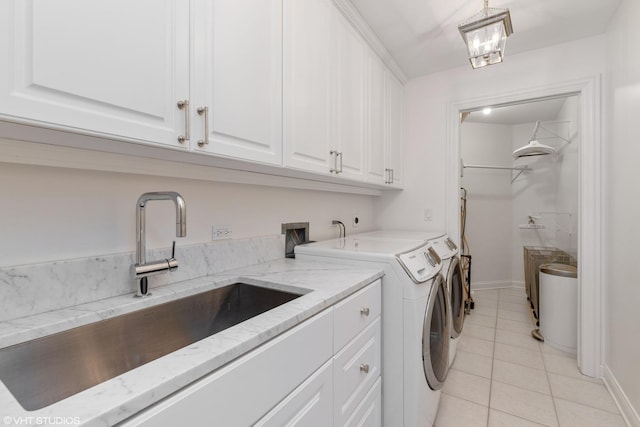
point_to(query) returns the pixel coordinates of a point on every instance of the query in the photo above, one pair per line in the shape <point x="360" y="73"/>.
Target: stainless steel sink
<point x="46" y="370"/>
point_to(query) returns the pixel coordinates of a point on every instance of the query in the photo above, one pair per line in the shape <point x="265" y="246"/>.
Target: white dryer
<point x="452" y="271"/>
<point x="415" y="320"/>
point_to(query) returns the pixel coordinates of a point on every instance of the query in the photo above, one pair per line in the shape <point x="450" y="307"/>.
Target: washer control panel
<point x="421" y="264"/>
<point x="445" y="247"/>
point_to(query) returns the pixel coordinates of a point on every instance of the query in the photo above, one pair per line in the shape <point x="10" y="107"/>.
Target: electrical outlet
<point x="356" y="221"/>
<point x="220" y="232"/>
<point x="428" y="215"/>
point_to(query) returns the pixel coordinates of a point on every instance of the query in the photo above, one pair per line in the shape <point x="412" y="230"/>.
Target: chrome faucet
<point x="142" y="269"/>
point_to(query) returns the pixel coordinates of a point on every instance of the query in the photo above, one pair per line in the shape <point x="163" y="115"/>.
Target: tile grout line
<point x="546" y="373"/>
<point x="493" y="358"/>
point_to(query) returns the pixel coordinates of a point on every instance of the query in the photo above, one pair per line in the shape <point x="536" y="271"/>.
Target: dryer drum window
<point x="435" y="335"/>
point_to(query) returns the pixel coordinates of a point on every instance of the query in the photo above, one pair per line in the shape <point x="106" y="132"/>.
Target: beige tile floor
<point x="503" y="377"/>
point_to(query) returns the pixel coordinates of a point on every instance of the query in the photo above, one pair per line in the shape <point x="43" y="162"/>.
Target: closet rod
<point x="521" y="169"/>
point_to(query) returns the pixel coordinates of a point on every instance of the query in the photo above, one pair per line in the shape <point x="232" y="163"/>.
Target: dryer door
<point x="435" y="335"/>
<point x="456" y="296"/>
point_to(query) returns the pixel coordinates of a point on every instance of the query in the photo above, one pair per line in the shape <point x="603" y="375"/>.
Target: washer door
<point x="456" y="296"/>
<point x="435" y="335"/>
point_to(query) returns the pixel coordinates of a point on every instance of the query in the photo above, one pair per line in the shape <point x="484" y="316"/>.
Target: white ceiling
<point x="422" y="35"/>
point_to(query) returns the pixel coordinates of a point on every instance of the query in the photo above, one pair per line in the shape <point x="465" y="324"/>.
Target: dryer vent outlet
<point x="295" y="233"/>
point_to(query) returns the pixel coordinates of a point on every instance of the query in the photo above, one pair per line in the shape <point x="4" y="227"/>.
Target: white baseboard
<point x="627" y="410"/>
<point x="478" y="286"/>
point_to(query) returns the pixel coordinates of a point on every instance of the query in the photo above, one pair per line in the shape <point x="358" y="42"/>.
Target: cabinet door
<point x="369" y="412"/>
<point x="376" y="119"/>
<point x="350" y="104"/>
<point x="237" y="72"/>
<point x="395" y="113"/>
<point x="308" y="84"/>
<point x="310" y="405"/>
<point x="115" y="68"/>
<point x="356" y="368"/>
<point x="243" y="391"/>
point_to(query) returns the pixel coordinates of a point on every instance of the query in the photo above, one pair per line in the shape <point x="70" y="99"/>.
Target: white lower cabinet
<point x="355" y="370"/>
<point x="369" y="412"/>
<point x="240" y="393"/>
<point x="310" y="405"/>
<point x="300" y="378"/>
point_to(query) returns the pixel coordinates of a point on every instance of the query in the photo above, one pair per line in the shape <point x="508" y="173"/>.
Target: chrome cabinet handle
<point x="184" y="105"/>
<point x="364" y="368"/>
<point x="389" y="178"/>
<point x="340" y="154"/>
<point x="204" y="110"/>
<point x="334" y="169"/>
<point x="364" y="311"/>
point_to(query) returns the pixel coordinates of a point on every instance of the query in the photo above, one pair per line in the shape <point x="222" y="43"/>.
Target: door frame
<point x="591" y="295"/>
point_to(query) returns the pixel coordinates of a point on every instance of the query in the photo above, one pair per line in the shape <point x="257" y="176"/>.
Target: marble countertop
<point x="119" y="398"/>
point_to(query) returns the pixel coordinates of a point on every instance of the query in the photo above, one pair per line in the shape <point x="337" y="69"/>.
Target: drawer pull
<point x="364" y="368"/>
<point x="364" y="311"/>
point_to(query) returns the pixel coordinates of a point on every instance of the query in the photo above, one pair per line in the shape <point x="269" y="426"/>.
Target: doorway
<point x="588" y="247"/>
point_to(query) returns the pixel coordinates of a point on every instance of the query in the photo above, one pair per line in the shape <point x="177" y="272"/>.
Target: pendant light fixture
<point x="485" y="35"/>
<point x="535" y="148"/>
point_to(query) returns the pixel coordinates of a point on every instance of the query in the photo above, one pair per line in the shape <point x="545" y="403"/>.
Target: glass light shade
<point x="485" y="35"/>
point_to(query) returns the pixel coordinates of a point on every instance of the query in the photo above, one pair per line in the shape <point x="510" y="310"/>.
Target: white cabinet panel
<point x="238" y="76"/>
<point x="356" y="369"/>
<point x="355" y="313"/>
<point x="350" y="99"/>
<point x="308" y="84"/>
<point x="396" y="114"/>
<point x="376" y="120"/>
<point x="369" y="412"/>
<point x="116" y="68"/>
<point x="310" y="405"/>
<point x="241" y="392"/>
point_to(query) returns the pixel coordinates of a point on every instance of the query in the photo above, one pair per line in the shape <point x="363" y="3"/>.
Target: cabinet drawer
<point x="310" y="405"/>
<point x="355" y="313"/>
<point x="355" y="369"/>
<point x="369" y="412"/>
<point x="241" y="392"/>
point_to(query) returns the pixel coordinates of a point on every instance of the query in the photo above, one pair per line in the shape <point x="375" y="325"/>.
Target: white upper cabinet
<point x="350" y="103"/>
<point x="376" y="120"/>
<point x="384" y="125"/>
<point x="237" y="69"/>
<point x="115" y="67"/>
<point x="290" y="84"/>
<point x="323" y="90"/>
<point x="308" y="85"/>
<point x="395" y="113"/>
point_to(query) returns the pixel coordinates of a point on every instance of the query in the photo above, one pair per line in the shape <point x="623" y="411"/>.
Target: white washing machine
<point x="452" y="271"/>
<point x="415" y="320"/>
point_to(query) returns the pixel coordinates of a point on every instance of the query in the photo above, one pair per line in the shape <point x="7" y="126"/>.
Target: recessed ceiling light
<point x="486" y="111"/>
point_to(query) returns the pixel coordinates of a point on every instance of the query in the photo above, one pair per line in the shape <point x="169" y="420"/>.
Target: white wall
<point x="567" y="191"/>
<point x="426" y="120"/>
<point x="489" y="202"/>
<point x="622" y="207"/>
<point x="52" y="214"/>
